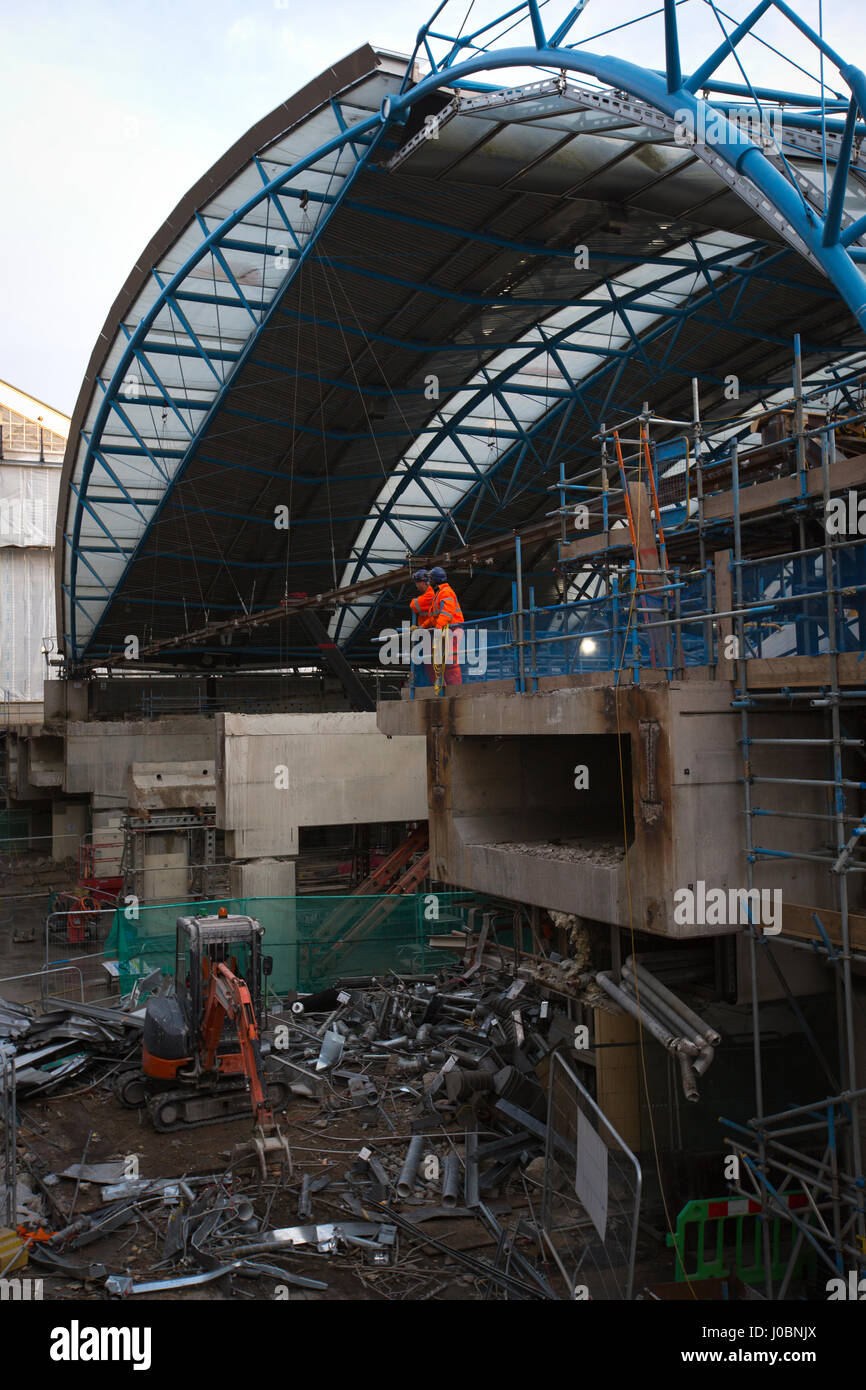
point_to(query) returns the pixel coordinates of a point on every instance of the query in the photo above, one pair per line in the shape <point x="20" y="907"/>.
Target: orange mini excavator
<point x="201" y="1060"/>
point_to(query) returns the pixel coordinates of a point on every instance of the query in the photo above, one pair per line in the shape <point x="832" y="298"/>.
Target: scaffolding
<point x="704" y="548"/>
<point x="805" y="601"/>
<point x="775" y="1150"/>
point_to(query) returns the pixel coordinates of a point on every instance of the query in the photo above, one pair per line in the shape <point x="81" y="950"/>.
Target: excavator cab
<point x="201" y="944"/>
<point x="173" y="1023"/>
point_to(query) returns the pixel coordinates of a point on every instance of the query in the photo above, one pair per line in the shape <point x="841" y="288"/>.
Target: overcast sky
<point x="111" y="109"/>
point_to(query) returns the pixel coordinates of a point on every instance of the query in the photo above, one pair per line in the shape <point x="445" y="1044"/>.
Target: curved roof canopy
<point x="384" y="320"/>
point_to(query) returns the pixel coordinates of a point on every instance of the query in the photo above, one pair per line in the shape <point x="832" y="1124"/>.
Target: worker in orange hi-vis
<point x="420" y="605"/>
<point x="446" y="613"/>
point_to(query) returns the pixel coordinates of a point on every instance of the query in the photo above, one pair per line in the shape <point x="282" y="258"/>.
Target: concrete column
<point x="262" y="878"/>
<point x="617" y="1073"/>
<point x="68" y="828"/>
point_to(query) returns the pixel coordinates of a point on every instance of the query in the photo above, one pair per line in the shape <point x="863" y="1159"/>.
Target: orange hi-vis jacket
<point x="446" y="610"/>
<point x="421" y="606"/>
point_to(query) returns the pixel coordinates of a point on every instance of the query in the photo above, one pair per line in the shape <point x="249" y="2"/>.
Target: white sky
<point x="112" y="109"/>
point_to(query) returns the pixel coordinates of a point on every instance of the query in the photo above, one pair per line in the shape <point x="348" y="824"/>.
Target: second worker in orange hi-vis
<point x="421" y="605"/>
<point x="423" y="600"/>
<point x="446" y="613"/>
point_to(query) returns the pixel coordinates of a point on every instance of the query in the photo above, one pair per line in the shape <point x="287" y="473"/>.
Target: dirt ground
<point x="57" y="1130"/>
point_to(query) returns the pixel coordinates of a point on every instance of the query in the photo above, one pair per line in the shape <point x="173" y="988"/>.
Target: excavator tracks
<point x="188" y="1108"/>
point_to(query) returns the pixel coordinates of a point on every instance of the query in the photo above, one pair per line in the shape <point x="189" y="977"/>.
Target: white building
<point x="32" y="444"/>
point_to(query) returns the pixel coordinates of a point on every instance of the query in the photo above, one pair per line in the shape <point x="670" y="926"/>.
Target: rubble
<point x="441" y="1074"/>
<point x="419" y="1107"/>
<point x="603" y="854"/>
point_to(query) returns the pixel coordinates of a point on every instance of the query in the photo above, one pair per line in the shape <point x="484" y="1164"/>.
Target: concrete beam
<point x="278" y="772"/>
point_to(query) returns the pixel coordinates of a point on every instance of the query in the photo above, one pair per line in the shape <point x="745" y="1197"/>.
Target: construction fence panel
<point x="592" y="1192"/>
<point x="80" y="979"/>
<point x="312" y="941"/>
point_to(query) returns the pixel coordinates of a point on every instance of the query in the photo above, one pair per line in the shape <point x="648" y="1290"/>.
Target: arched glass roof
<point x="398" y="306"/>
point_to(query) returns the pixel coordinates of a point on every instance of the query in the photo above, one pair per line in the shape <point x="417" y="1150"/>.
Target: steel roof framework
<point x="221" y="286"/>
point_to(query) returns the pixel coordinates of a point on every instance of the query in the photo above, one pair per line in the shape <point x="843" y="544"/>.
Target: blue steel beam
<point x="543" y="423"/>
<point x="673" y="72"/>
<point x="735" y="149"/>
<point x="836" y="204"/>
<point x="210" y="244"/>
<point x="535" y="350"/>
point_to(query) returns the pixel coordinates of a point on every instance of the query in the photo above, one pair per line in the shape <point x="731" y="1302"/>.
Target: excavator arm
<point x="229" y="997"/>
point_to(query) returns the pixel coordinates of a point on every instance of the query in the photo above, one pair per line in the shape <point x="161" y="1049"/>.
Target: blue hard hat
<point x="438" y="575"/>
<point x="423" y="575"/>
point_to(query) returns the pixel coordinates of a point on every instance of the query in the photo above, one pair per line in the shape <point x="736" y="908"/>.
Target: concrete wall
<point x="339" y="770"/>
<point x="42" y="762"/>
<point x="64" y="700"/>
<point x="99" y="755"/>
<point x="166" y="868"/>
<point x="180" y="786"/>
<point x="495" y="780"/>
<point x="107" y="838"/>
<point x="803" y="971"/>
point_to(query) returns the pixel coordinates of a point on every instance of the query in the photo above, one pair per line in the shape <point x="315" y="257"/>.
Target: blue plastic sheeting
<point x="799" y="623"/>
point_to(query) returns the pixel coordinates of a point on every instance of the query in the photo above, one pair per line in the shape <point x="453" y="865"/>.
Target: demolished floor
<point x="417" y="1126"/>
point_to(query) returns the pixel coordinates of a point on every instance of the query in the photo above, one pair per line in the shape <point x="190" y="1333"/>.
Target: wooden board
<point x="797" y="922"/>
<point x="769" y="673"/>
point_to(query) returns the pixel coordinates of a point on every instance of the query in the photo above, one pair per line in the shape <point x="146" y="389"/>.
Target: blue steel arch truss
<point x="211" y="300"/>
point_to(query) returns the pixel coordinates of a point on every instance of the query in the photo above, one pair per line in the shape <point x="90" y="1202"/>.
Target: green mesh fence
<point x="14" y="832"/>
<point x="313" y="941"/>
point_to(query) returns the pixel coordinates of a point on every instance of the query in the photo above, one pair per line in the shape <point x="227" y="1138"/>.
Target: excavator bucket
<point x="268" y="1150"/>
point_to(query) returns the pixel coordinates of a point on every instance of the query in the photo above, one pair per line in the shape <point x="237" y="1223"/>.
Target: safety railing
<point x="75" y="927"/>
<point x="646" y="621"/>
<point x="791" y="592"/>
<point x="669" y="621"/>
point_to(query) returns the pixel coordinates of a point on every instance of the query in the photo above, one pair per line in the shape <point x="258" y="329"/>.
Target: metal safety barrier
<point x="83" y="979"/>
<point x="592" y="1192"/>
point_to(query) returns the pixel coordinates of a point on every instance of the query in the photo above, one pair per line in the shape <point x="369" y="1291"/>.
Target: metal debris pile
<point x="66" y="1040"/>
<point x="418" y="1122"/>
<point x="434" y="1189"/>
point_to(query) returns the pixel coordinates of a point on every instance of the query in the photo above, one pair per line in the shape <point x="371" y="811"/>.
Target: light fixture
<point x="588" y="646"/>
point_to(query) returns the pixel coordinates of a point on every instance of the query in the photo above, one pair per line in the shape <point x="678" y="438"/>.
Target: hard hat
<point x="438" y="575"/>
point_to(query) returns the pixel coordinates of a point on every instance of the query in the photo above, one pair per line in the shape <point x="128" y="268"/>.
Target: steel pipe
<point x="406" y="1180"/>
<point x="687" y="1072"/>
<point x="451" y="1181"/>
<point x="703" y="1029"/>
<point x="625" y="1001"/>
<point x="647" y="996"/>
